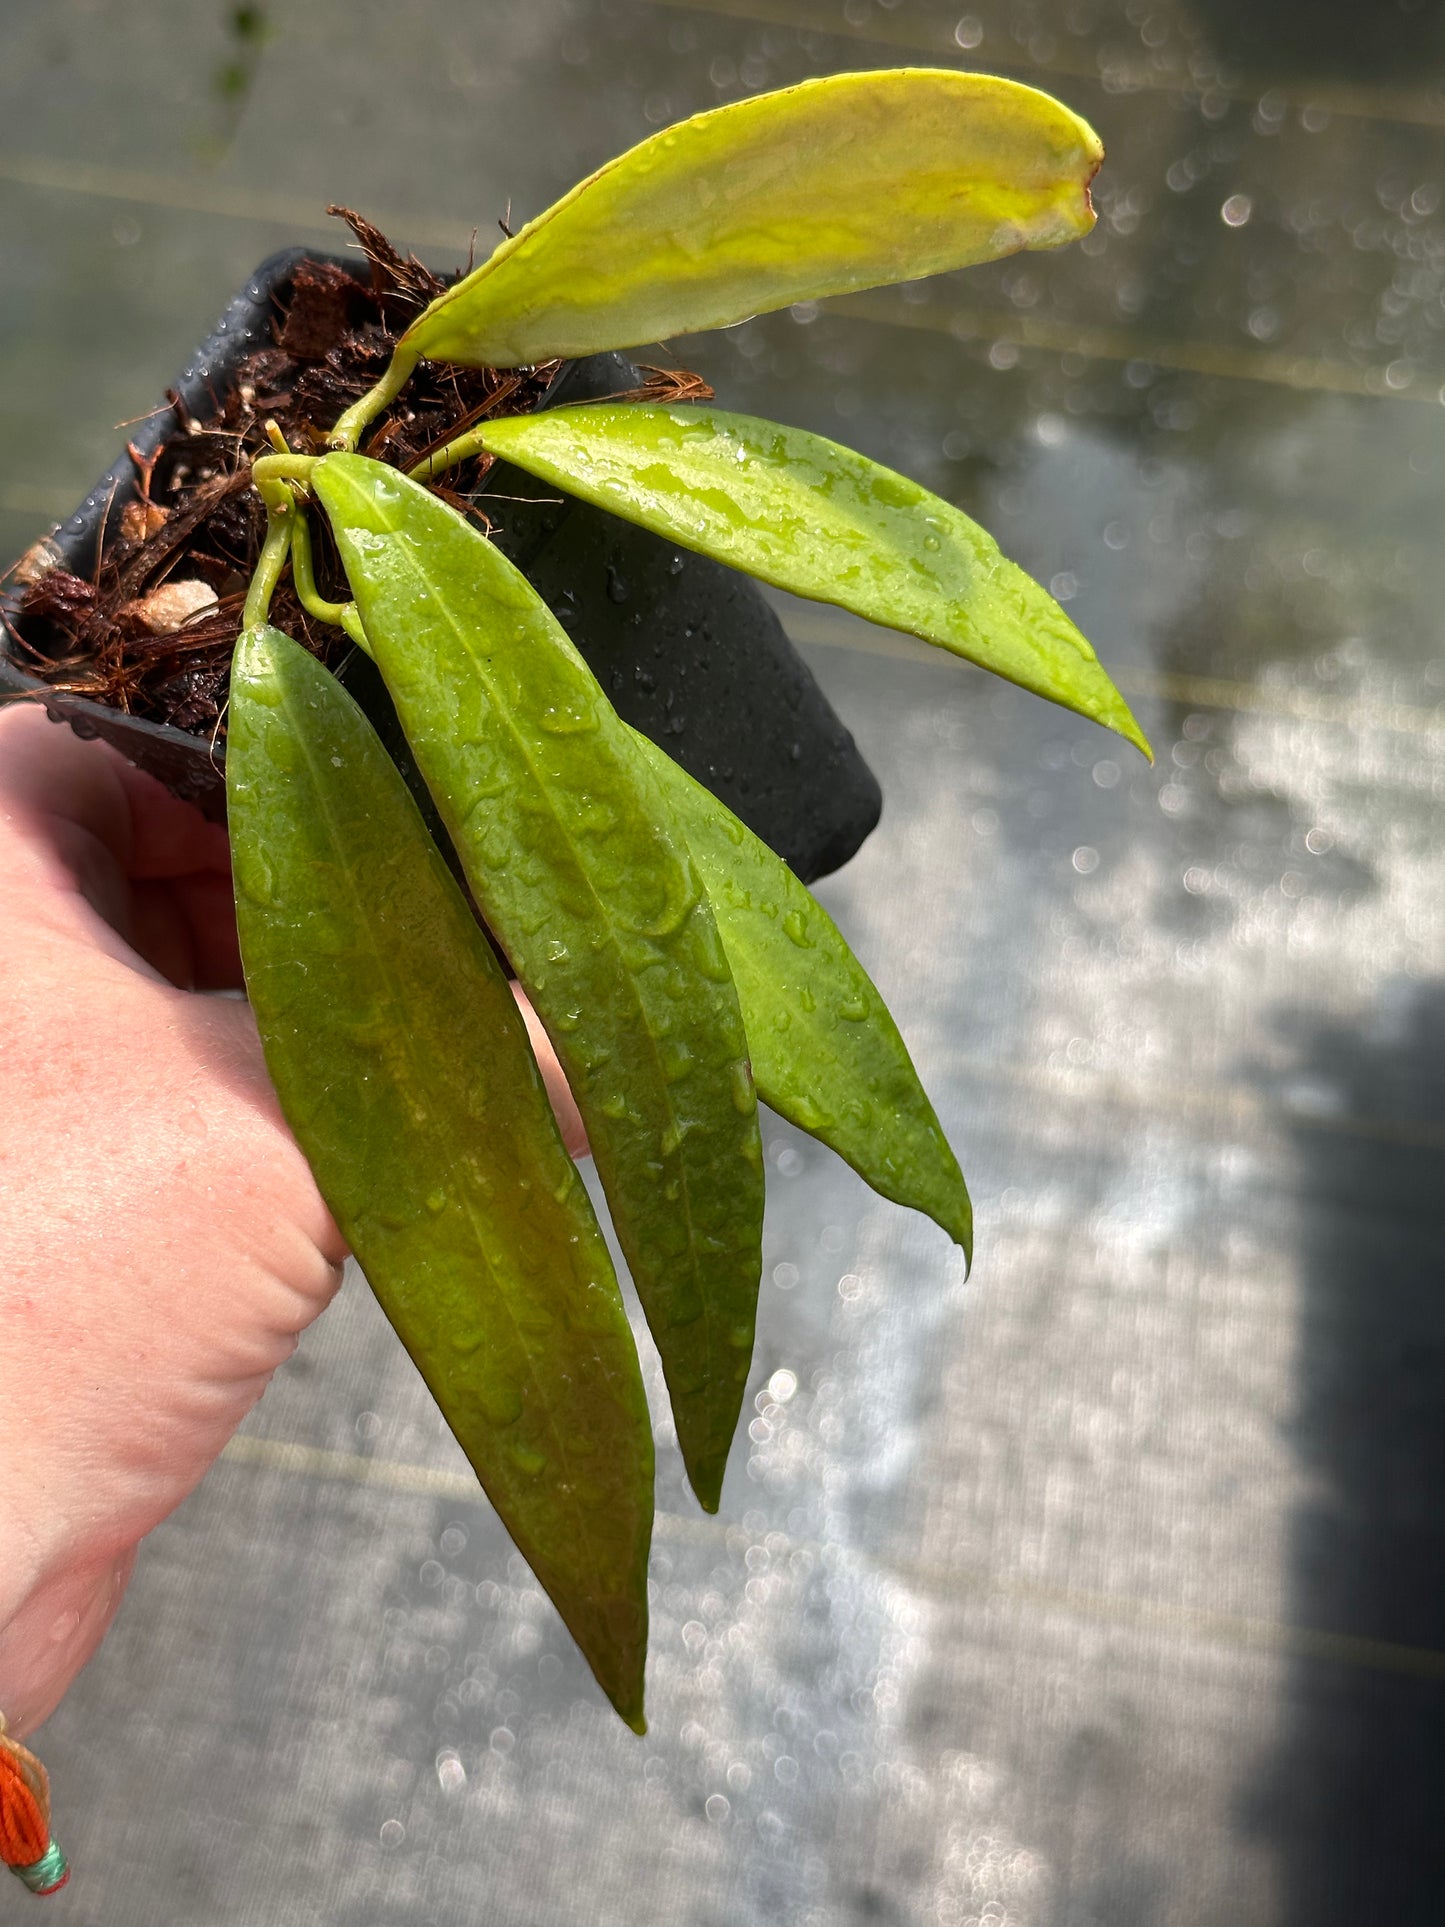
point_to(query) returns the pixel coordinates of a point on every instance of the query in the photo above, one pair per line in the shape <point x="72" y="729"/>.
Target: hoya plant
<point x="680" y="970"/>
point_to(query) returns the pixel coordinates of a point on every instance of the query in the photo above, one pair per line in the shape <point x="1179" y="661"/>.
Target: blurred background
<point x="1107" y="1586"/>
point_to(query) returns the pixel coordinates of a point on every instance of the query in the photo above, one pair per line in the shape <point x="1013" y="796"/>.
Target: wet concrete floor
<point x="1106" y="1586"/>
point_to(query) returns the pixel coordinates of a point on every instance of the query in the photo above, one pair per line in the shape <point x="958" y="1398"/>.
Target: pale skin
<point x="162" y="1242"/>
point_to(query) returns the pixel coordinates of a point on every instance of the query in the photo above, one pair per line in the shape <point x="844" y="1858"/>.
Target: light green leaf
<point x="849" y="182"/>
<point x="562" y="832"/>
<point x="822" y="521"/>
<point x="403" y="1067"/>
<point x="826" y="1053"/>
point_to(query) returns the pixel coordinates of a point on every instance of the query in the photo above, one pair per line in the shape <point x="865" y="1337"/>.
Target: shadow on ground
<point x="1351" y="1800"/>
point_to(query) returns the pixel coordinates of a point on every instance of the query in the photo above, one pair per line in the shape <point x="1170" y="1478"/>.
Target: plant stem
<point x="349" y="426"/>
<point x="268" y="470"/>
<point x="342" y="614"/>
<point x="280" y="524"/>
<point x="448" y="456"/>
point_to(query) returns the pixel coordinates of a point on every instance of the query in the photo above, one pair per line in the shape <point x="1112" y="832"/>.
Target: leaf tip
<point x="1136" y="736"/>
<point x="1118" y="717"/>
<point x="706" y="1482"/>
<point x="621" y="1673"/>
<point x="705" y="1459"/>
<point x="958" y="1223"/>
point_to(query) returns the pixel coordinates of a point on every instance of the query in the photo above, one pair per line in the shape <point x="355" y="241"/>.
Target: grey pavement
<point x="1105" y="1588"/>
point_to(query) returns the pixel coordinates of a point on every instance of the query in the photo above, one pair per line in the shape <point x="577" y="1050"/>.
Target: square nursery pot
<point x="688" y="650"/>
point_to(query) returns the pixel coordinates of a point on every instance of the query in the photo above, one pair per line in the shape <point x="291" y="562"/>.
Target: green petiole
<point x="361" y="414"/>
<point x="268" y="470"/>
<point x="450" y="455"/>
<point x="341" y="615"/>
<point x="288" y="533"/>
<point x="280" y="526"/>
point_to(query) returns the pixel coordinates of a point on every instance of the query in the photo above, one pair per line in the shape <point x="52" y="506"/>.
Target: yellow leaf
<point x="849" y="182"/>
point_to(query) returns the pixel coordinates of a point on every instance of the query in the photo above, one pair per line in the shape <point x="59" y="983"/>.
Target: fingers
<point x="209" y="906"/>
<point x="170" y="838"/>
<point x="228" y="1043"/>
<point x="150" y="866"/>
<point x="48" y="772"/>
<point x="564" y="1105"/>
<point x="186" y="929"/>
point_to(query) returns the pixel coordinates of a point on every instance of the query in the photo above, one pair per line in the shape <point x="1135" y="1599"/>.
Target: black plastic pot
<point x="688" y="651"/>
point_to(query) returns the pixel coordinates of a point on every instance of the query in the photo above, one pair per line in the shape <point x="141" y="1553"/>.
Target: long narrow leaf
<point x="826" y="1053"/>
<point x="561" y="829"/>
<point x="849" y="182"/>
<point x="404" y="1069"/>
<point x="818" y="519"/>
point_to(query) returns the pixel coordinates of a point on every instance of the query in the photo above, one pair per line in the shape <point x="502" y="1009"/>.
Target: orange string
<point x="24" y="1806"/>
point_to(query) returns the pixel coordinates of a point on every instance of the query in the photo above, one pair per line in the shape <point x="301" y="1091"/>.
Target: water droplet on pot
<point x="618" y="587"/>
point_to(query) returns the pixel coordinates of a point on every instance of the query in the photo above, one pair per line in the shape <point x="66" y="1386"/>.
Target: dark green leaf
<point x="403" y="1067"/>
<point x="826" y="1054"/>
<point x="562" y="831"/>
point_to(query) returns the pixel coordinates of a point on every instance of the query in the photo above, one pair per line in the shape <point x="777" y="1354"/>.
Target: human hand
<point x="163" y="1242"/>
